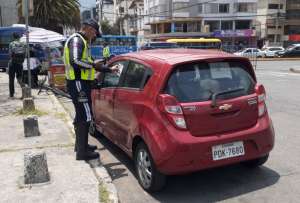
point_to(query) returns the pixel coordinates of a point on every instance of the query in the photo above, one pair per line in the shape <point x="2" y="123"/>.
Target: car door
<point x="103" y="102"/>
<point x="128" y="101"/>
<point x="296" y="52"/>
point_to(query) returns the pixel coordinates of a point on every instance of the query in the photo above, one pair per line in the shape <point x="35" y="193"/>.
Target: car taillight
<point x="261" y="97"/>
<point x="168" y="105"/>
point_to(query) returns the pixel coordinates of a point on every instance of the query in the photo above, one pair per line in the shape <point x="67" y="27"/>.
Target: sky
<point x="87" y="3"/>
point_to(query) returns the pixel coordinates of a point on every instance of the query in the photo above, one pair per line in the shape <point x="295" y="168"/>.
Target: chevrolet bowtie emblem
<point x="225" y="107"/>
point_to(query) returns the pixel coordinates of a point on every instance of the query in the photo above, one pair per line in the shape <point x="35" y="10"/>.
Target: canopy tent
<point x="40" y="35"/>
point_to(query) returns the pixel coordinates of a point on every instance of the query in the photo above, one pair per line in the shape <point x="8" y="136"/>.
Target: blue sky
<point x="87" y="3"/>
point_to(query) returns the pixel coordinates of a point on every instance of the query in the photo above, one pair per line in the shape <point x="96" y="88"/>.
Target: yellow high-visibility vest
<point x="106" y="52"/>
<point x="86" y="74"/>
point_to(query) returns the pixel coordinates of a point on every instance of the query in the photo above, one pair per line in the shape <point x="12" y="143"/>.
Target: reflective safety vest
<point x="106" y="52"/>
<point x="86" y="74"/>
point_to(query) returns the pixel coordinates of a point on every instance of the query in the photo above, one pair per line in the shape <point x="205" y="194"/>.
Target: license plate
<point x="228" y="150"/>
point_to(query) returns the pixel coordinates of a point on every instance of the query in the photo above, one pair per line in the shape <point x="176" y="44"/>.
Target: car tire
<point x="256" y="162"/>
<point x="148" y="176"/>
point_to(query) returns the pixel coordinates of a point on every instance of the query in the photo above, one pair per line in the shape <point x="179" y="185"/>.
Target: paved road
<point x="276" y="181"/>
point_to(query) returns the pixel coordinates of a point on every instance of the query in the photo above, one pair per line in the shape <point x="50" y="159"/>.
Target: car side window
<point x="255" y="50"/>
<point x="248" y="51"/>
<point x="134" y="76"/>
<point x="112" y="79"/>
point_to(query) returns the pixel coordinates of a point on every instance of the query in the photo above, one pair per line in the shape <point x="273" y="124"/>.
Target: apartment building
<point x="270" y="21"/>
<point x="231" y="20"/>
<point x="292" y="22"/>
<point x="8" y="12"/>
<point x="105" y="9"/>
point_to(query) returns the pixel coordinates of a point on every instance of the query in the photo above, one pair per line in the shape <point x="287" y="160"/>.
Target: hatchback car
<point x="271" y="51"/>
<point x="176" y="111"/>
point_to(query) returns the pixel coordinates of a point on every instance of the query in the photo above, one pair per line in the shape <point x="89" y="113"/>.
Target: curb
<point x="294" y="70"/>
<point x="100" y="172"/>
<point x="275" y="59"/>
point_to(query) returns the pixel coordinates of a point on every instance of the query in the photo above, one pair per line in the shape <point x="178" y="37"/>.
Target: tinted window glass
<point x="112" y="79"/>
<point x="134" y="75"/>
<point x="197" y="82"/>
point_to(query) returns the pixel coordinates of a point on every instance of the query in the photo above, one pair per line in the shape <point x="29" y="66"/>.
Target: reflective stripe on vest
<point x="86" y="74"/>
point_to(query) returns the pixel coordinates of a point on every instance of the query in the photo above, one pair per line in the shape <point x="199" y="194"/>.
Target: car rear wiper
<point x="215" y="95"/>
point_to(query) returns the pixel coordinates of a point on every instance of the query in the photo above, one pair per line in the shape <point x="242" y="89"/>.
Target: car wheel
<point x="256" y="162"/>
<point x="148" y="176"/>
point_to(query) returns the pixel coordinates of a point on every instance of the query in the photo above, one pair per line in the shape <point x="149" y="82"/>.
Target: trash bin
<point x="56" y="76"/>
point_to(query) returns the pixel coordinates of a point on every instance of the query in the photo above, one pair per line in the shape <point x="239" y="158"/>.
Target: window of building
<point x="181" y="27"/>
<point x="167" y="27"/>
<point x="242" y="24"/>
<point x="223" y="8"/>
<point x="180" y="7"/>
<point x="200" y="7"/>
<point x="213" y="25"/>
<point x="194" y="27"/>
<point x="211" y="8"/>
<point x="273" y="6"/>
<point x="226" y="25"/>
<point x="245" y="7"/>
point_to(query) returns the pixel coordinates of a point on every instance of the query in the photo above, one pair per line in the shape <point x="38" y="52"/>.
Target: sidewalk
<point x="71" y="180"/>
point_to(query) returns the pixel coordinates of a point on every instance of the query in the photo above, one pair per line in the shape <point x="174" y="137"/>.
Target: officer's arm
<point x="76" y="47"/>
<point x="9" y="50"/>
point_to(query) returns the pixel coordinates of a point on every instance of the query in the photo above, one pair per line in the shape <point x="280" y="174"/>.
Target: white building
<point x="105" y="9"/>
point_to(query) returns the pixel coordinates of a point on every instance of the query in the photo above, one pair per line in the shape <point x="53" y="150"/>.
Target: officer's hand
<point x="98" y="66"/>
<point x="115" y="69"/>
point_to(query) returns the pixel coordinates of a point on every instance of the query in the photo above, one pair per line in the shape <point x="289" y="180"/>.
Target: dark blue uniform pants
<point x="80" y="92"/>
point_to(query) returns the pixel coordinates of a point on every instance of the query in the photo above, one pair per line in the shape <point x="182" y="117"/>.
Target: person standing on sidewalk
<point x="80" y="73"/>
<point x="15" y="67"/>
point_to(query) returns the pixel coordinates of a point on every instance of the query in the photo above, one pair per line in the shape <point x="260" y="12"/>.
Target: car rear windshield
<point x="197" y="82"/>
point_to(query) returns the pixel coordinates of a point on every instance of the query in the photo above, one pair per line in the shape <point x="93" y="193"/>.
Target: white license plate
<point x="228" y="150"/>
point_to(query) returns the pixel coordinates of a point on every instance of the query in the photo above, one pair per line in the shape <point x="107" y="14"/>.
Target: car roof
<point x="179" y="55"/>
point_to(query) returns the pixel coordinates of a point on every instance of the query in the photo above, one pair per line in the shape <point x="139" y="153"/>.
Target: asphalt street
<point x="277" y="181"/>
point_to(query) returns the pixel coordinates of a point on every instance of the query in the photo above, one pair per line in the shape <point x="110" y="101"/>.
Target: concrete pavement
<point x="71" y="180"/>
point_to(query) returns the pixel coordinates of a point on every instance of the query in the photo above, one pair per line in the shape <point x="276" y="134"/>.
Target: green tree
<point x="53" y="14"/>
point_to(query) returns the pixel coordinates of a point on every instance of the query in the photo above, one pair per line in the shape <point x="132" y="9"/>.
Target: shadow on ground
<point x="204" y="186"/>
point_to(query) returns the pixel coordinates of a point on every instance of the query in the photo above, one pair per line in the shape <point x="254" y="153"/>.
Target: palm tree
<point x="53" y="14"/>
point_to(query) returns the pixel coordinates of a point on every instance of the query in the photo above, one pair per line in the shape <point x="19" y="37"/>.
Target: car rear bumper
<point x="195" y="153"/>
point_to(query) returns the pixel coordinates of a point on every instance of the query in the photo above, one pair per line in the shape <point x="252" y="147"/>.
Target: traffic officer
<point x="80" y="73"/>
<point x="106" y="52"/>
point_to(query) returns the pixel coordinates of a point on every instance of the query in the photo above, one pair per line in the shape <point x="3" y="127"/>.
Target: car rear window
<point x="197" y="82"/>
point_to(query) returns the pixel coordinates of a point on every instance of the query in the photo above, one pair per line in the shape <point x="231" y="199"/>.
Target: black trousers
<point x="80" y="92"/>
<point x="15" y="71"/>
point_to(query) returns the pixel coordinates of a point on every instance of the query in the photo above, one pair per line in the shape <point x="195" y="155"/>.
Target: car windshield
<point x="197" y="82"/>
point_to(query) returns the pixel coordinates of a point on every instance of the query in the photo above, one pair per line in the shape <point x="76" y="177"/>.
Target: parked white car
<point x="271" y="51"/>
<point x="250" y="52"/>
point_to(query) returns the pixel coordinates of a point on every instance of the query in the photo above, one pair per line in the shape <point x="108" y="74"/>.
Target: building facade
<point x="8" y="12"/>
<point x="105" y="10"/>
<point x="233" y="21"/>
<point x="292" y="22"/>
<point x="270" y="21"/>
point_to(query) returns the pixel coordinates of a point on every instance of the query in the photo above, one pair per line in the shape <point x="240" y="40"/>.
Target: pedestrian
<point x="106" y="52"/>
<point x="15" y="67"/>
<point x="35" y="65"/>
<point x="80" y="73"/>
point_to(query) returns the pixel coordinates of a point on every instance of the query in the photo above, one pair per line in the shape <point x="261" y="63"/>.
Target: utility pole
<point x="26" y="2"/>
<point x="1" y="22"/>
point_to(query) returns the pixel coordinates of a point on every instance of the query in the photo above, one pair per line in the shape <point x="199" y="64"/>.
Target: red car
<point x="176" y="111"/>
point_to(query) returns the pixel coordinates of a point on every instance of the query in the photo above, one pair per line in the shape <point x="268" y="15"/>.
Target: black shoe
<point x="87" y="156"/>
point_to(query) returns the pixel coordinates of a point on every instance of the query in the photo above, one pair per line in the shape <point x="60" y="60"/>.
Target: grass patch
<point x="103" y="194"/>
<point x="27" y="113"/>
